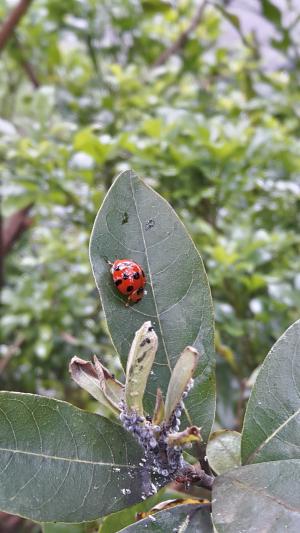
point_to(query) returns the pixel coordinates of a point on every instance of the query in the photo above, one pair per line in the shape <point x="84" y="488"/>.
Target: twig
<point x="27" y="67"/>
<point x="10" y="231"/>
<point x="11" y="351"/>
<point x="183" y="37"/>
<point x="70" y="339"/>
<point x="12" y="21"/>
<point x="13" y="227"/>
<point x="195" y="474"/>
<point x="240" y="405"/>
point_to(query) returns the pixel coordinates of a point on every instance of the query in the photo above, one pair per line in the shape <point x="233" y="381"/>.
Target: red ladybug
<point x="129" y="278"/>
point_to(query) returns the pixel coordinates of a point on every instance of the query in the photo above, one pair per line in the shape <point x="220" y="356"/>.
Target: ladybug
<point x="129" y="278"/>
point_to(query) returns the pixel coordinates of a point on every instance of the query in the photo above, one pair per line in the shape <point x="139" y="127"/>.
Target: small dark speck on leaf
<point x="145" y="341"/>
<point x="149" y="224"/>
<point x="125" y="218"/>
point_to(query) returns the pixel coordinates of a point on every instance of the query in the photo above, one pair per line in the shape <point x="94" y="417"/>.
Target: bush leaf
<point x="59" y="463"/>
<point x="66" y="528"/>
<point x="186" y="518"/>
<point x="134" y="222"/>
<point x="262" y="497"/>
<point x="224" y="450"/>
<point x="272" y="421"/>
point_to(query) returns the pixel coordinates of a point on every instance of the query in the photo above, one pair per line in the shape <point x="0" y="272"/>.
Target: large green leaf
<point x="60" y="463"/>
<point x="272" y="420"/>
<point x="186" y="518"/>
<point x="262" y="497"/>
<point x="135" y="222"/>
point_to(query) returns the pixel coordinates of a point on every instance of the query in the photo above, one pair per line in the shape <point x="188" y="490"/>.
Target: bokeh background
<point x="202" y="100"/>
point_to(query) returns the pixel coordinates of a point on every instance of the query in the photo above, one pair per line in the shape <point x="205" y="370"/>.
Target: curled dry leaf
<point x="169" y="504"/>
<point x="98" y="381"/>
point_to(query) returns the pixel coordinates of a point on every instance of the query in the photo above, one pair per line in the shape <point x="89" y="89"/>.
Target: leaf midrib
<point x="68" y="459"/>
<point x="150" y="277"/>
<point x="270" y="437"/>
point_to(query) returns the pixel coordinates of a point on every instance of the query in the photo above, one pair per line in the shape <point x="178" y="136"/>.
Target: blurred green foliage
<point x="215" y="132"/>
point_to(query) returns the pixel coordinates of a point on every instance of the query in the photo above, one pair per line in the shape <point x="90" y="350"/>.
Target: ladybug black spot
<point x="130" y="288"/>
<point x="140" y="290"/>
<point x="125" y="276"/>
<point x="117" y="268"/>
<point x="136" y="275"/>
<point x="118" y="282"/>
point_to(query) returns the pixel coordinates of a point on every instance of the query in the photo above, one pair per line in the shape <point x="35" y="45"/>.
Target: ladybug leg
<point x="134" y="297"/>
<point x="129" y="300"/>
<point x="108" y="262"/>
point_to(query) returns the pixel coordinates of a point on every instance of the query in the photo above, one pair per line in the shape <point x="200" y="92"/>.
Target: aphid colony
<point x="161" y="457"/>
<point x="159" y="434"/>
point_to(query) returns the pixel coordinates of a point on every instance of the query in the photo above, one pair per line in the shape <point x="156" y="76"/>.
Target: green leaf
<point x="233" y="19"/>
<point x="60" y="463"/>
<point x="66" y="528"/>
<point x="271" y="12"/>
<point x="116" y="521"/>
<point x="178" y="302"/>
<point x="185" y="518"/>
<point x="272" y="421"/>
<point x="86" y="141"/>
<point x="262" y="497"/>
<point x="224" y="450"/>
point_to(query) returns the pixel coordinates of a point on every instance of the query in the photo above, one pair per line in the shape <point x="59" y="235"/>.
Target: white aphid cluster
<point x="159" y="457"/>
